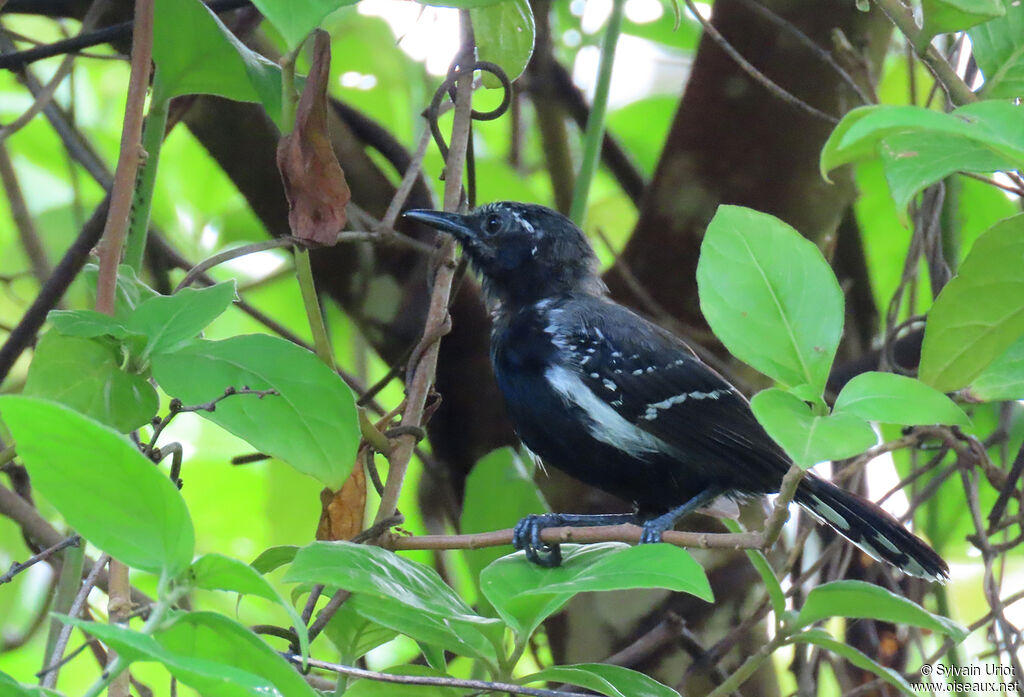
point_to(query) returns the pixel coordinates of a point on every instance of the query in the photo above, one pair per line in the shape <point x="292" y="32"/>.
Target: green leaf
<point x="500" y="470"/>
<point x="858" y="599"/>
<point x="296" y="18"/>
<point x="12" y="688"/>
<point x="206" y="676"/>
<point x="897" y="399"/>
<point x="945" y="16"/>
<point x="983" y="135"/>
<point x="913" y="161"/>
<point x="102" y="485"/>
<point x="998" y="46"/>
<point x="820" y="637"/>
<point x="378" y="572"/>
<point x="461" y="4"/>
<point x="170" y="321"/>
<point x="354" y="635"/>
<point x="525" y="594"/>
<point x="87" y="324"/>
<point x="196" y="54"/>
<point x="806" y="437"/>
<point x="218" y="572"/>
<point x="274" y="558"/>
<point x="477" y="638"/>
<point x="213" y="637"/>
<point x="313" y="417"/>
<point x="603" y="678"/>
<point x="504" y="34"/>
<point x="770" y="296"/>
<point x="1003" y="379"/>
<point x="99" y="387"/>
<point x="978" y="315"/>
<point x="130" y="291"/>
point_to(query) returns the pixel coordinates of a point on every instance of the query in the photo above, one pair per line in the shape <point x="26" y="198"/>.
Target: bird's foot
<point x="526" y="536"/>
<point x="653" y="528"/>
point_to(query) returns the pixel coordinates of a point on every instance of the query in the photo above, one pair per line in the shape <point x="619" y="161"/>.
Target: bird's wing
<point x="655" y="382"/>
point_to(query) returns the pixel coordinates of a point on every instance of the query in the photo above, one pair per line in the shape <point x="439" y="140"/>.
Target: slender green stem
<point x="747" y="668"/>
<point x="594" y="137"/>
<point x="152" y="141"/>
<point x="771" y="581"/>
<point x="321" y="341"/>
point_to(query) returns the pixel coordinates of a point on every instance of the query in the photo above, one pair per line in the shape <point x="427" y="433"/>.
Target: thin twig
<point x="432" y="681"/>
<point x="51" y="672"/>
<point x="412" y="173"/>
<point x="759" y="77"/>
<point x="23" y="221"/>
<point x="17" y="568"/>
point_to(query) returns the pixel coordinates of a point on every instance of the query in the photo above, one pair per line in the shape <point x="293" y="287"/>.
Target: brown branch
<point x="26" y="227"/>
<point x="423" y="372"/>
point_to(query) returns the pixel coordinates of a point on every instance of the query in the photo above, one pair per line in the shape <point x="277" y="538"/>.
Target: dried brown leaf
<point x="313" y="180"/>
<point x="341" y="515"/>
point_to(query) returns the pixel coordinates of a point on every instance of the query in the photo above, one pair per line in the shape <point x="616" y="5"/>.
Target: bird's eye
<point x="493" y="224"/>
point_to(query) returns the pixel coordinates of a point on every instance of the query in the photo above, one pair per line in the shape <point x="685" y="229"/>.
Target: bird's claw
<point x="526" y="536"/>
<point x="651" y="532"/>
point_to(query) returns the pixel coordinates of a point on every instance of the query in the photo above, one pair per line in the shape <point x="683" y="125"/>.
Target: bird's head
<point x="523" y="251"/>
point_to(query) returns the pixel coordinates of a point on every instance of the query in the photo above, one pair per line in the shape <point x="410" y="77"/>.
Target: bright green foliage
<point x="295" y="19"/>
<point x="999" y="49"/>
<point x="524" y="594"/>
<point x="605" y="679"/>
<point x="372" y="688"/>
<point x="500" y="470"/>
<point x="313" y="413"/>
<point x="942" y="16"/>
<point x="102" y="485"/>
<point x="819" y="637"/>
<point x="9" y="686"/>
<point x="214" y="637"/>
<point x="218" y="572"/>
<point x="196" y="671"/>
<point x="354" y="635"/>
<point x="857" y="599"/>
<point x="807" y="437"/>
<point x="978" y="315"/>
<point x="897" y="399"/>
<point x="770" y="296"/>
<point x="919" y="146"/>
<point x="100" y="389"/>
<point x="169" y="321"/>
<point x="504" y="33"/>
<point x="1004" y="377"/>
<point x="196" y="54"/>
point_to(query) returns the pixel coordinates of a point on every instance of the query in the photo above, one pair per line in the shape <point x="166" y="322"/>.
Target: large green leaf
<point x="500" y="470"/>
<point x="87" y="324"/>
<point x="170" y="321"/>
<point x="379" y="572"/>
<point x="274" y="558"/>
<point x="206" y="676"/>
<point x="504" y="34"/>
<point x="354" y="635"/>
<point x="9" y="687"/>
<point x="603" y="678"/>
<point x="944" y="16"/>
<point x="196" y="54"/>
<point x="978" y="315"/>
<point x="1004" y="377"/>
<point x="998" y="46"/>
<point x="218" y="572"/>
<point x="525" y="594"/>
<point x="295" y="19"/>
<point x="86" y="375"/>
<point x="919" y="146"/>
<point x="102" y="485"/>
<point x="214" y="637"/>
<point x="810" y="438"/>
<point x="770" y="296"/>
<point x="897" y="399"/>
<point x="310" y="424"/>
<point x="819" y="637"/>
<point x="858" y="599"/>
<point x="375" y="688"/>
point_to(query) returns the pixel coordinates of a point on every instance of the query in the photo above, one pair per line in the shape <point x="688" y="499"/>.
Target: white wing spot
<point x="610" y="385"/>
<point x="651" y="412"/>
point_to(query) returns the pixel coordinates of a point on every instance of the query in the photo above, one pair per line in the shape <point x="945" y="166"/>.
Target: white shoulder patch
<point x="606" y="425"/>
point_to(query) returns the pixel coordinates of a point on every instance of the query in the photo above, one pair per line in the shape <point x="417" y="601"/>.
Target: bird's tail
<point x="870" y="528"/>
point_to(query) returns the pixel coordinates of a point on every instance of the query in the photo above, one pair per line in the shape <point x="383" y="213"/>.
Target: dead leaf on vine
<point x="341" y="515"/>
<point x="313" y="180"/>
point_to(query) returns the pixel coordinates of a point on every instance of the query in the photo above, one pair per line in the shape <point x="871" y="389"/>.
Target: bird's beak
<point x="452" y="223"/>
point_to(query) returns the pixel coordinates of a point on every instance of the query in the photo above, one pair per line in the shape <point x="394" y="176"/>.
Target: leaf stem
<point x="747" y="668"/>
<point x="594" y="137"/>
<point x="152" y="141"/>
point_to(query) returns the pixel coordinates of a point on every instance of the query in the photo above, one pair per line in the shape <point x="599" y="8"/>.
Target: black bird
<point x="619" y="403"/>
